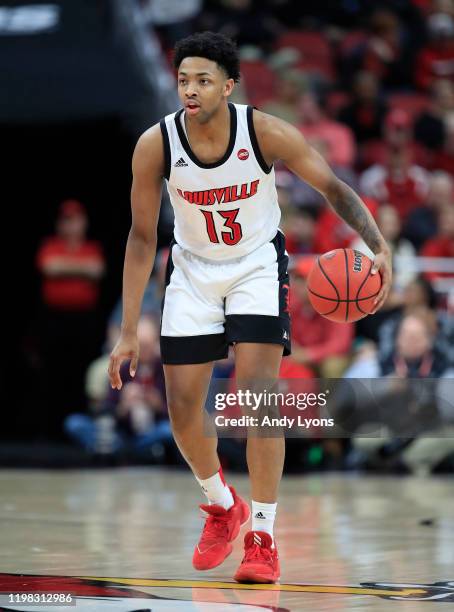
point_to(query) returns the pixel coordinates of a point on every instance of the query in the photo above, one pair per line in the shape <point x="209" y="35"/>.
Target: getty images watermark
<point x="259" y="402"/>
<point x="268" y="408"/>
<point x="390" y="407"/>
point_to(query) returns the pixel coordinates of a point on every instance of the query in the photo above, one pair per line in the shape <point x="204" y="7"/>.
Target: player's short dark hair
<point x="213" y="46"/>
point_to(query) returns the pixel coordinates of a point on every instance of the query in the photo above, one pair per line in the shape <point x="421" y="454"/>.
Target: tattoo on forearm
<point x="349" y="206"/>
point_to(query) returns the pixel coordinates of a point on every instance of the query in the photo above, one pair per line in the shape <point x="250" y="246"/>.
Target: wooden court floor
<point x="346" y="542"/>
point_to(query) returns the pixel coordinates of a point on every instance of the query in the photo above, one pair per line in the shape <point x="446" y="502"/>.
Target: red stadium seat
<point x="311" y="44"/>
<point x="316" y="55"/>
<point x="259" y="81"/>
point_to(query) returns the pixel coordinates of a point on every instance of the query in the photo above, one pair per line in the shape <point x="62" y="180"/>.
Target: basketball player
<point x="226" y="278"/>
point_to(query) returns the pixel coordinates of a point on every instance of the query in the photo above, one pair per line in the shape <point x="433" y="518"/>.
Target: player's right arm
<point x="147" y="169"/>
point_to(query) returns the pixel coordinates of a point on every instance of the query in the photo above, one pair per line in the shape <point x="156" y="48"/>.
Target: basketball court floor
<point x="122" y="540"/>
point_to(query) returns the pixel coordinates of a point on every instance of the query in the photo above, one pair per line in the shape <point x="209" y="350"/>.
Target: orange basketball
<point x="341" y="287"/>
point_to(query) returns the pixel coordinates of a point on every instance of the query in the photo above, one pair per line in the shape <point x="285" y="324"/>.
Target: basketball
<point x="341" y="286"/>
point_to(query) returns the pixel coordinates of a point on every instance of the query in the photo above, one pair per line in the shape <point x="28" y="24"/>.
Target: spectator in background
<point x="364" y="363"/>
<point x="140" y="407"/>
<point x="442" y="244"/>
<point x="284" y="186"/>
<point x="96" y="376"/>
<point x="134" y="418"/>
<point x="336" y="140"/>
<point x="436" y="59"/>
<point x="290" y="85"/>
<point x="443" y="159"/>
<point x="316" y="341"/>
<point x="403" y="252"/>
<point x="404" y="270"/>
<point x="397" y="132"/>
<point x="408" y="409"/>
<point x="422" y="222"/>
<point x="244" y="21"/>
<point x="367" y="110"/>
<point x="417" y="296"/>
<point x="71" y="268"/>
<point x="432" y="126"/>
<point x="292" y="191"/>
<point x="386" y="52"/>
<point x="94" y="431"/>
<point x="299" y="228"/>
<point x="445" y="7"/>
<point x="415" y="354"/>
<point x="398" y="180"/>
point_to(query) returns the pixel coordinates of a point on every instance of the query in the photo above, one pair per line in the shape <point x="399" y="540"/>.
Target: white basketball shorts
<point x="209" y="305"/>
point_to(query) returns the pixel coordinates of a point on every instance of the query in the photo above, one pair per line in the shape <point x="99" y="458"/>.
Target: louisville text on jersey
<point x="222" y="195"/>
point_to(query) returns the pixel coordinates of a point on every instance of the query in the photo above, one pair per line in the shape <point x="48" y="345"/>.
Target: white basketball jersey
<point x="225" y="209"/>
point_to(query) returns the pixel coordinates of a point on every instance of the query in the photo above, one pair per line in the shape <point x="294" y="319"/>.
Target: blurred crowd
<point x="371" y="86"/>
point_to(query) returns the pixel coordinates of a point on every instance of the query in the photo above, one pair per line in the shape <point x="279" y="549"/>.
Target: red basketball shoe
<point x="221" y="528"/>
<point x="260" y="562"/>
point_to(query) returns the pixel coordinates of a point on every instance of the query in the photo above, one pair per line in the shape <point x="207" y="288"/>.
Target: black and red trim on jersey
<point x="255" y="144"/>
<point x="166" y="145"/>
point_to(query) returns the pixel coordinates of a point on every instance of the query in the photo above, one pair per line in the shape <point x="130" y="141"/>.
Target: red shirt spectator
<point x="436" y="60"/>
<point x="397" y="182"/>
<point x="397" y="142"/>
<point x="291" y="369"/>
<point x="331" y="138"/>
<point x="442" y="245"/>
<point x="70" y="264"/>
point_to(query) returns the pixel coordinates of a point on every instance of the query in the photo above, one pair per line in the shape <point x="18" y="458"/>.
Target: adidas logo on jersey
<point x="259" y="515"/>
<point x="180" y="163"/>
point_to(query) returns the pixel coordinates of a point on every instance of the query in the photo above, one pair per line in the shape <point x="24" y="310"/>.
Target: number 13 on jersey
<point x="235" y="233"/>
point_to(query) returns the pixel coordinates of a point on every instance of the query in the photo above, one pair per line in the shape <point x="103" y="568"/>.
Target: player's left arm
<point x="280" y="140"/>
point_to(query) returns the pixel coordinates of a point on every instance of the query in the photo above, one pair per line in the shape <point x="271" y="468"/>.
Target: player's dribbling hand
<point x="127" y="347"/>
<point x="383" y="266"/>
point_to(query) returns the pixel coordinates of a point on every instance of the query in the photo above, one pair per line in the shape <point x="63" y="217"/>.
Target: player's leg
<point x="192" y="338"/>
<point x="265" y="455"/>
<point x="257" y="322"/>
<point x="187" y="388"/>
<point x="257" y="368"/>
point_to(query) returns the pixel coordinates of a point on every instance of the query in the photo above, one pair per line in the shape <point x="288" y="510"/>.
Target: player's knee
<point x="180" y="413"/>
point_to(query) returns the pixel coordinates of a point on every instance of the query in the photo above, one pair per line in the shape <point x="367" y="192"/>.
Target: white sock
<point x="263" y="516"/>
<point x="216" y="490"/>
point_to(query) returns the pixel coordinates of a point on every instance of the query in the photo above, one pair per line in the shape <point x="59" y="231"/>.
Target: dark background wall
<point x="47" y="164"/>
<point x="70" y="98"/>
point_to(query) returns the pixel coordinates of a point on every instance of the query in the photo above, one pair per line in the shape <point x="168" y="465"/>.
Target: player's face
<point x="202" y="87"/>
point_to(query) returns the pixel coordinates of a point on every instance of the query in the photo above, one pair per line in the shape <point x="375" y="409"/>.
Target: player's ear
<point x="228" y="87"/>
